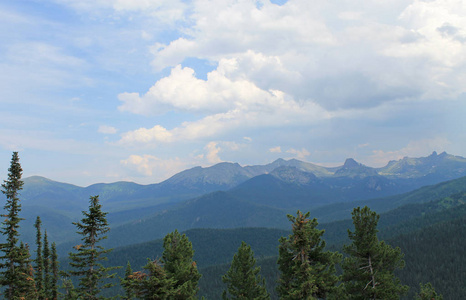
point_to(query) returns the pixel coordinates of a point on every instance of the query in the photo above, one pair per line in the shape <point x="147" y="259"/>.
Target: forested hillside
<point x="402" y="227"/>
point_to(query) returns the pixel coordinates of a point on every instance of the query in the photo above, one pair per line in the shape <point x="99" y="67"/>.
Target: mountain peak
<point x="351" y="163"/>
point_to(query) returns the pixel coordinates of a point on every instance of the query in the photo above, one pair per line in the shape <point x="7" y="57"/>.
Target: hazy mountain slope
<point x="404" y="219"/>
<point x="340" y="211"/>
<point x="290" y="188"/>
<point x="215" y="210"/>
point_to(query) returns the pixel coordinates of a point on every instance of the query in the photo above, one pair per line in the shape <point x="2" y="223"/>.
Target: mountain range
<point x="278" y="188"/>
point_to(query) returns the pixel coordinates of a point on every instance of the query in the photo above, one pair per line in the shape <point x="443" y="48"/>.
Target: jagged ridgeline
<point x="266" y="191"/>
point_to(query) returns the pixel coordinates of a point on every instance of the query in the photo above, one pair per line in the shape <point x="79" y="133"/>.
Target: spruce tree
<point x="306" y="270"/>
<point x="39" y="263"/>
<point x="428" y="293"/>
<point x="368" y="271"/>
<point x="86" y="261"/>
<point x="126" y="282"/>
<point x="26" y="288"/>
<point x="54" y="277"/>
<point x="46" y="264"/>
<point x="154" y="283"/>
<point x="12" y="256"/>
<point x="243" y="279"/>
<point x="177" y="259"/>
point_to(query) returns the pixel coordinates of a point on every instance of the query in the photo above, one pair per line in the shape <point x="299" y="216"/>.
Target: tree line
<point x="307" y="269"/>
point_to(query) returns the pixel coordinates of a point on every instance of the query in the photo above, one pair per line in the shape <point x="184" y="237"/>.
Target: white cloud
<point x="150" y="165"/>
<point x="302" y="49"/>
<point x="299" y="154"/>
<point x="277" y="149"/>
<point x="182" y="91"/>
<point x="105" y="129"/>
<point x="212" y="153"/>
<point x="143" y="135"/>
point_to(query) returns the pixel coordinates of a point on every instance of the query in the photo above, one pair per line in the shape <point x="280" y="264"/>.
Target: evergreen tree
<point x="68" y="287"/>
<point x="54" y="277"/>
<point x="26" y="289"/>
<point x="12" y="257"/>
<point x="154" y="283"/>
<point x="368" y="271"/>
<point x="306" y="270"/>
<point x="243" y="279"/>
<point x="428" y="293"/>
<point x="177" y="259"/>
<point x="126" y="282"/>
<point x="86" y="262"/>
<point x="39" y="263"/>
<point x="46" y="264"/>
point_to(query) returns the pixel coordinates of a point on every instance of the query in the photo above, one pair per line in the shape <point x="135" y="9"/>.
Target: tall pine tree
<point x="39" y="263"/>
<point x="177" y="259"/>
<point x="306" y="270"/>
<point x="243" y="279"/>
<point x="86" y="262"/>
<point x="54" y="278"/>
<point x="368" y="271"/>
<point x="26" y="288"/>
<point x="12" y="256"/>
<point x="46" y="264"/>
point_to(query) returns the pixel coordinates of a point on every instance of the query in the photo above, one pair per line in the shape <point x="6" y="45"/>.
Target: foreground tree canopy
<point x="369" y="269"/>
<point x="243" y="279"/>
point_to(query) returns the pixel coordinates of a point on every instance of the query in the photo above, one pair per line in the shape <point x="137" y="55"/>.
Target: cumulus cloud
<point x="299" y="154"/>
<point x="150" y="165"/>
<point x="144" y="135"/>
<point x="277" y="149"/>
<point x="302" y="49"/>
<point x="212" y="153"/>
<point x="182" y="91"/>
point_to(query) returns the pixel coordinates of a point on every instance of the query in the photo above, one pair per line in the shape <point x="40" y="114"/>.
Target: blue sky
<point x="138" y="90"/>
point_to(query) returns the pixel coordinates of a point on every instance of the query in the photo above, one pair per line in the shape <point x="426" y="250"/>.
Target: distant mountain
<point x="282" y="184"/>
<point x="232" y="210"/>
<point x="352" y="169"/>
<point x="442" y="165"/>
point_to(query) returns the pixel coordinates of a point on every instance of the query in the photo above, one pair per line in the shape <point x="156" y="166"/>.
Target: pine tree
<point x="368" y="271"/>
<point x="126" y="282"/>
<point x="39" y="263"/>
<point x="428" y="293"/>
<point x="306" y="270"/>
<point x="154" y="283"/>
<point x="243" y="279"/>
<point x="54" y="277"/>
<point x="26" y="288"/>
<point x="70" y="292"/>
<point x="86" y="262"/>
<point x="177" y="259"/>
<point x="13" y="256"/>
<point x="46" y="264"/>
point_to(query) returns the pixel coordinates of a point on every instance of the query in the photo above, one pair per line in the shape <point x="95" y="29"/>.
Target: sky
<point x="137" y="90"/>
